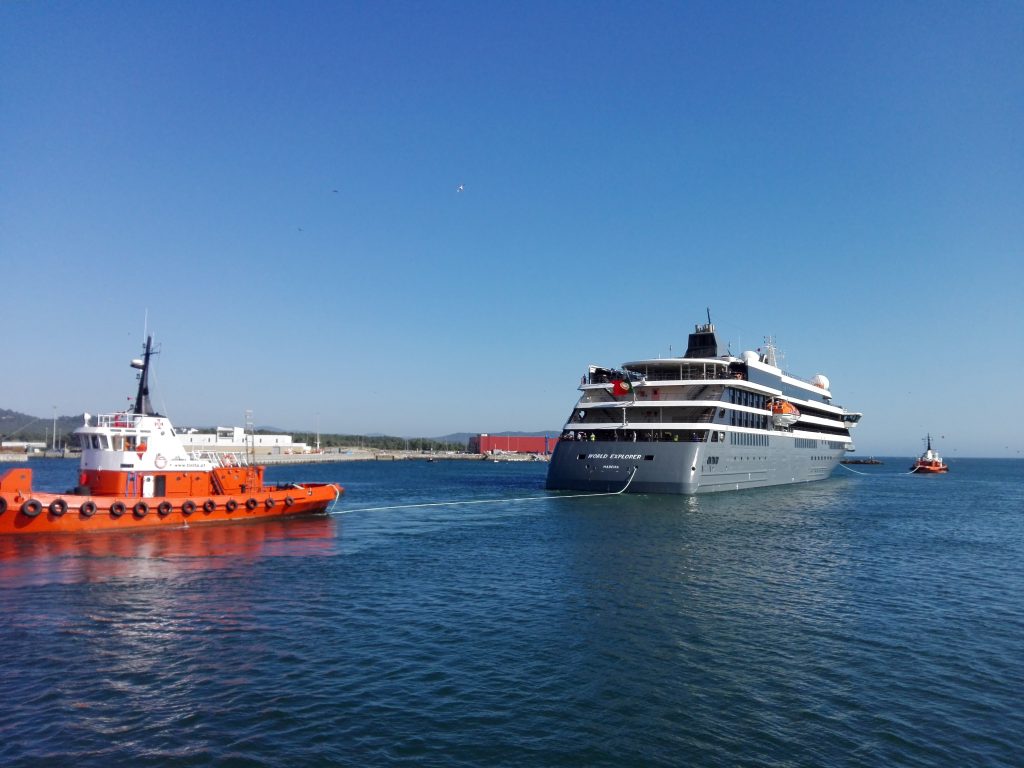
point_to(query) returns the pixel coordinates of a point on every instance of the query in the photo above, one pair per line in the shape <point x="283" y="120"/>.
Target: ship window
<point x="714" y="437"/>
<point x="118" y="442"/>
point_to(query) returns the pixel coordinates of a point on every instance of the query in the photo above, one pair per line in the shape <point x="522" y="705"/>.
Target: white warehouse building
<point x="235" y="439"/>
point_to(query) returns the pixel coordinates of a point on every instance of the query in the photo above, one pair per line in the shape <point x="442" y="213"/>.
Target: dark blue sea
<point x="870" y="619"/>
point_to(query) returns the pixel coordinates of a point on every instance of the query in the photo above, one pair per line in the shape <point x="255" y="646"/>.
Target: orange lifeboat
<point x="930" y="462"/>
<point x="136" y="473"/>
<point x="784" y="413"/>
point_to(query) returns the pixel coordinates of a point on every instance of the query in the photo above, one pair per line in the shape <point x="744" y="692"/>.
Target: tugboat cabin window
<point x="97" y="442"/>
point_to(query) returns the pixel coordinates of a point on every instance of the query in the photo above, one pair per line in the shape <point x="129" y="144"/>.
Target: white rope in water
<point x="877" y="474"/>
<point x="486" y="501"/>
<point x="853" y="470"/>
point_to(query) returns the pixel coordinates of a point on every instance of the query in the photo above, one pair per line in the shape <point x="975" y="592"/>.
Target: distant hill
<point x="35" y="429"/>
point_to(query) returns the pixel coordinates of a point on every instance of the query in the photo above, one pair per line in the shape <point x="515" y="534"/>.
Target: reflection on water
<point x="91" y="557"/>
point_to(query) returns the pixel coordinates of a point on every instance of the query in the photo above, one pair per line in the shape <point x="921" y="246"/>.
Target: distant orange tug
<point x="930" y="462"/>
<point x="135" y="473"/>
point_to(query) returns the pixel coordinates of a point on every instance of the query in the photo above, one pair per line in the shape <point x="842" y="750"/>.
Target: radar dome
<point x="820" y="380"/>
<point x="750" y="357"/>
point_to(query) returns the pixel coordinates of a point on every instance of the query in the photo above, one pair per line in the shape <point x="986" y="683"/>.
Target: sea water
<point x="865" y="620"/>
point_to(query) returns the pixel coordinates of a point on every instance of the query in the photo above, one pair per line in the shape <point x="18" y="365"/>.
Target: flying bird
<point x="461" y="188"/>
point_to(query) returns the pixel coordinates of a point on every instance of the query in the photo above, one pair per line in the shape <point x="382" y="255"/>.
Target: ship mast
<point x="142" y="404"/>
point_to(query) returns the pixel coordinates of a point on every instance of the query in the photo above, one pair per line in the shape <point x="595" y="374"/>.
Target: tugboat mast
<point x="142" y="405"/>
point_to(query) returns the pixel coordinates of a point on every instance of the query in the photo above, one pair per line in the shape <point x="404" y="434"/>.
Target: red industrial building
<point x="512" y="444"/>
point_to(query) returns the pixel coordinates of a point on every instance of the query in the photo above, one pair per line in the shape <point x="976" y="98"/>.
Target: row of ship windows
<point x="712" y="460"/>
<point x="632" y="435"/>
<point x="740" y="438"/>
<point x="750" y="399"/>
<point x="803" y="442"/>
<point x="744" y="419"/>
<point x="685" y="435"/>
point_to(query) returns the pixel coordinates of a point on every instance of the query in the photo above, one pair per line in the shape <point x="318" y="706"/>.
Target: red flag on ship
<point x="621" y="387"/>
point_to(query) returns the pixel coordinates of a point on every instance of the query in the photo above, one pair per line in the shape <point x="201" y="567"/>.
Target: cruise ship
<point x="700" y="423"/>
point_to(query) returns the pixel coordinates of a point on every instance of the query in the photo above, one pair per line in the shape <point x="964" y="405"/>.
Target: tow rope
<point x="488" y="501"/>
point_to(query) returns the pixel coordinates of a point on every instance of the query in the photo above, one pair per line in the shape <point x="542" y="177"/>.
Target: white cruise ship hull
<point x="687" y="468"/>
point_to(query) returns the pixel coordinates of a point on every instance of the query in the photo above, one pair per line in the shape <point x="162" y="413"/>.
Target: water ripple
<point x="856" y="622"/>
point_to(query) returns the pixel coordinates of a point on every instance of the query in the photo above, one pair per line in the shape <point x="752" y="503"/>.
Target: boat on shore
<point x="929" y="462"/>
<point x="136" y="473"/>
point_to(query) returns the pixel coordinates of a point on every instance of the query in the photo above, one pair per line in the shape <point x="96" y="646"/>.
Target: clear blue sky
<point x="276" y="185"/>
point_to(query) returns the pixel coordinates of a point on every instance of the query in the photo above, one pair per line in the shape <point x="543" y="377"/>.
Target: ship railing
<point x="682" y="372"/>
<point x="119" y="420"/>
<point x="630" y="434"/>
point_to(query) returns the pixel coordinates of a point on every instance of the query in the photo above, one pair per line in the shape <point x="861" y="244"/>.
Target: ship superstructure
<point x="700" y="423"/>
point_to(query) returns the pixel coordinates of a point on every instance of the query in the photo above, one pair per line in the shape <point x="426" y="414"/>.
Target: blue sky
<point x="276" y="186"/>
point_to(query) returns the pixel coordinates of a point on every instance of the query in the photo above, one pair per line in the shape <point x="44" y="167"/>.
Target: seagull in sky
<point x="461" y="188"/>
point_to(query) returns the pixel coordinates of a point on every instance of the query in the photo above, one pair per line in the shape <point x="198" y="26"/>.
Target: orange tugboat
<point x="930" y="463"/>
<point x="135" y="473"/>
